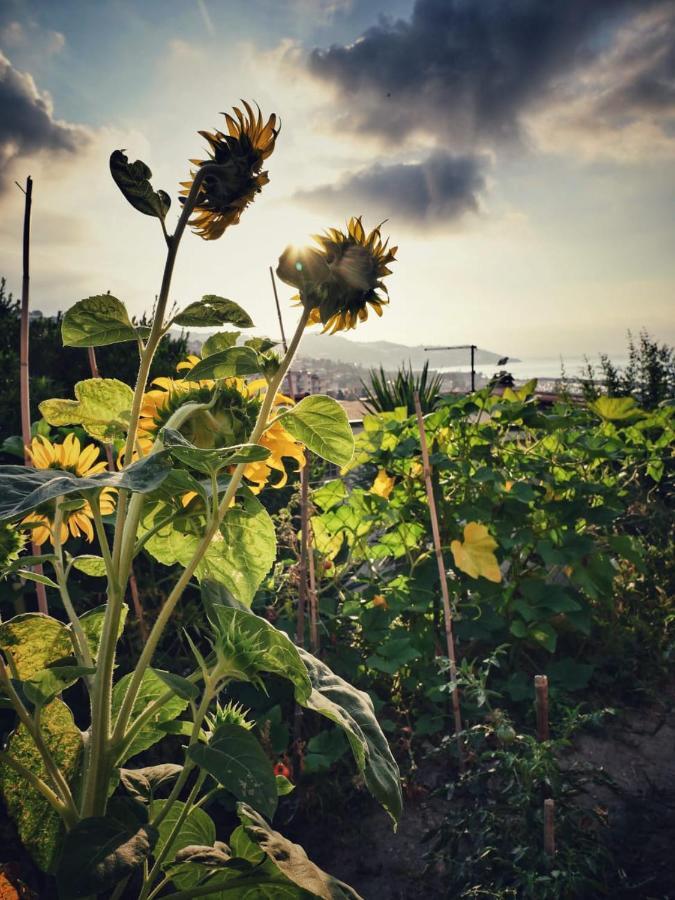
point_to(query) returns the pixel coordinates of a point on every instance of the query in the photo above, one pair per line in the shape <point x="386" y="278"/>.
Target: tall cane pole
<point x="24" y="369"/>
<point x="436" y="534"/>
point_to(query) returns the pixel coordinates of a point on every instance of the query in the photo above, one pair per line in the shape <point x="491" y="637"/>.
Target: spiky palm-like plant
<point x="384" y="394"/>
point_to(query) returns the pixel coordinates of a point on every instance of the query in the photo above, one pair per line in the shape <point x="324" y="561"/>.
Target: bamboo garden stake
<point x="444" y="581"/>
<point x="24" y="370"/>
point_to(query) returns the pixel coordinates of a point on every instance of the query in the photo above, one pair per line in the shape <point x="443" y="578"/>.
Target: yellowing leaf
<point x="383" y="484"/>
<point x="522" y="393"/>
<point x="475" y="554"/>
<point x="616" y="409"/>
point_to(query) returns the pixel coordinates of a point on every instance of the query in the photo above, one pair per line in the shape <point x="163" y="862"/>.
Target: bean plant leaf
<point x="99" y="852"/>
<point x="616" y="409"/>
<point x="33" y="641"/>
<point x="353" y="711"/>
<point x="221" y="340"/>
<point x="133" y="179"/>
<point x="212" y="310"/>
<point x="22" y="488"/>
<point x="152" y="688"/>
<point x="321" y="424"/>
<point x="475" y="554"/>
<point x="39" y="825"/>
<point x="292" y="860"/>
<point x="143" y="783"/>
<point x="208" y="461"/>
<point x="225" y="364"/>
<point x="235" y="758"/>
<point x="102" y="407"/>
<point x="197" y="828"/>
<point x="96" y="322"/>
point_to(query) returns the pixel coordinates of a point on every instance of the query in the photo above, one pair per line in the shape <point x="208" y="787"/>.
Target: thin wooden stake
<point x="313" y="596"/>
<point x="444" y="581"/>
<point x="133" y="584"/>
<point x="24" y="370"/>
<point x="549" y="828"/>
<point x="541" y="700"/>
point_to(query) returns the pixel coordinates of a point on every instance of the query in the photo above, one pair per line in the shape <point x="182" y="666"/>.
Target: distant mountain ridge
<point x="371" y="354"/>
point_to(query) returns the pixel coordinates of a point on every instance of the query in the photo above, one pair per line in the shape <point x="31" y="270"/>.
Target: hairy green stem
<point x="99" y="754"/>
<point x="79" y="637"/>
<point x="177" y="592"/>
<point x="161" y="856"/>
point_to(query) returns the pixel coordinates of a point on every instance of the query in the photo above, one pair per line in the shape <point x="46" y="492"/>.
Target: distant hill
<point x="371" y="354"/>
<point x="386" y="353"/>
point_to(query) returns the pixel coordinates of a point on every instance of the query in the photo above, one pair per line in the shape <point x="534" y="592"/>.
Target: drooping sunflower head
<point x="341" y="279"/>
<point x="77" y="513"/>
<point x="224" y="194"/>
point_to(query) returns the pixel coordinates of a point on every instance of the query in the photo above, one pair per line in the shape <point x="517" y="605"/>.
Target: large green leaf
<point x="208" y="461"/>
<point x="221" y="340"/>
<point x="39" y="825"/>
<point x="243" y="551"/>
<point x="91" y="565"/>
<point x="225" y="364"/>
<point x="321" y="424"/>
<point x="102" y="406"/>
<point x="96" y="322"/>
<point x="33" y="641"/>
<point x="353" y="711"/>
<point x="197" y="829"/>
<point x="239" y="556"/>
<point x="47" y="684"/>
<point x="100" y="852"/>
<point x="234" y="757"/>
<point x="152" y="688"/>
<point x="133" y="179"/>
<point x="212" y="310"/>
<point x="292" y="860"/>
<point x="142" y="784"/>
<point x="252" y="645"/>
<point x="23" y="489"/>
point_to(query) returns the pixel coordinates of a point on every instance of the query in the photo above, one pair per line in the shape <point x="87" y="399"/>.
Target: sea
<point x="545" y="368"/>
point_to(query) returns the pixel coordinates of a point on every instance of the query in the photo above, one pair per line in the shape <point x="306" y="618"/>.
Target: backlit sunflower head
<point x="12" y="543"/>
<point x="77" y="515"/>
<point x="230" y="419"/>
<point x="341" y="279"/>
<point x="240" y="153"/>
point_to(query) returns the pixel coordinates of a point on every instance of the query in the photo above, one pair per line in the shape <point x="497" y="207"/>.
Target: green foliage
<point x="38" y="824"/>
<point x="55" y="369"/>
<point x="489" y="843"/>
<point x="649" y="376"/>
<point x="321" y="424"/>
<point x="96" y="322"/>
<point x="211" y="311"/>
<point x="133" y="180"/>
<point x="385" y="395"/>
<point x="101" y="406"/>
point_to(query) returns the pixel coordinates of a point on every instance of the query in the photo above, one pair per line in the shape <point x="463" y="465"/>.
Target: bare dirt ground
<point x="637" y="751"/>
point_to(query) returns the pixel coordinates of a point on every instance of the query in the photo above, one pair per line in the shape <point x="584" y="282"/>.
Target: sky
<point x="522" y="153"/>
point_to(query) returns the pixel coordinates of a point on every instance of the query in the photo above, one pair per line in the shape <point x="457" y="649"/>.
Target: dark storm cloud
<point x="27" y="123"/>
<point x="437" y="191"/>
<point x="465" y="70"/>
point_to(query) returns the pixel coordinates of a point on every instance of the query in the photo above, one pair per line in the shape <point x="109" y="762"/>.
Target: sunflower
<point x="224" y="195"/>
<point x="341" y="279"/>
<point x="78" y="516"/>
<point x="229" y="421"/>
